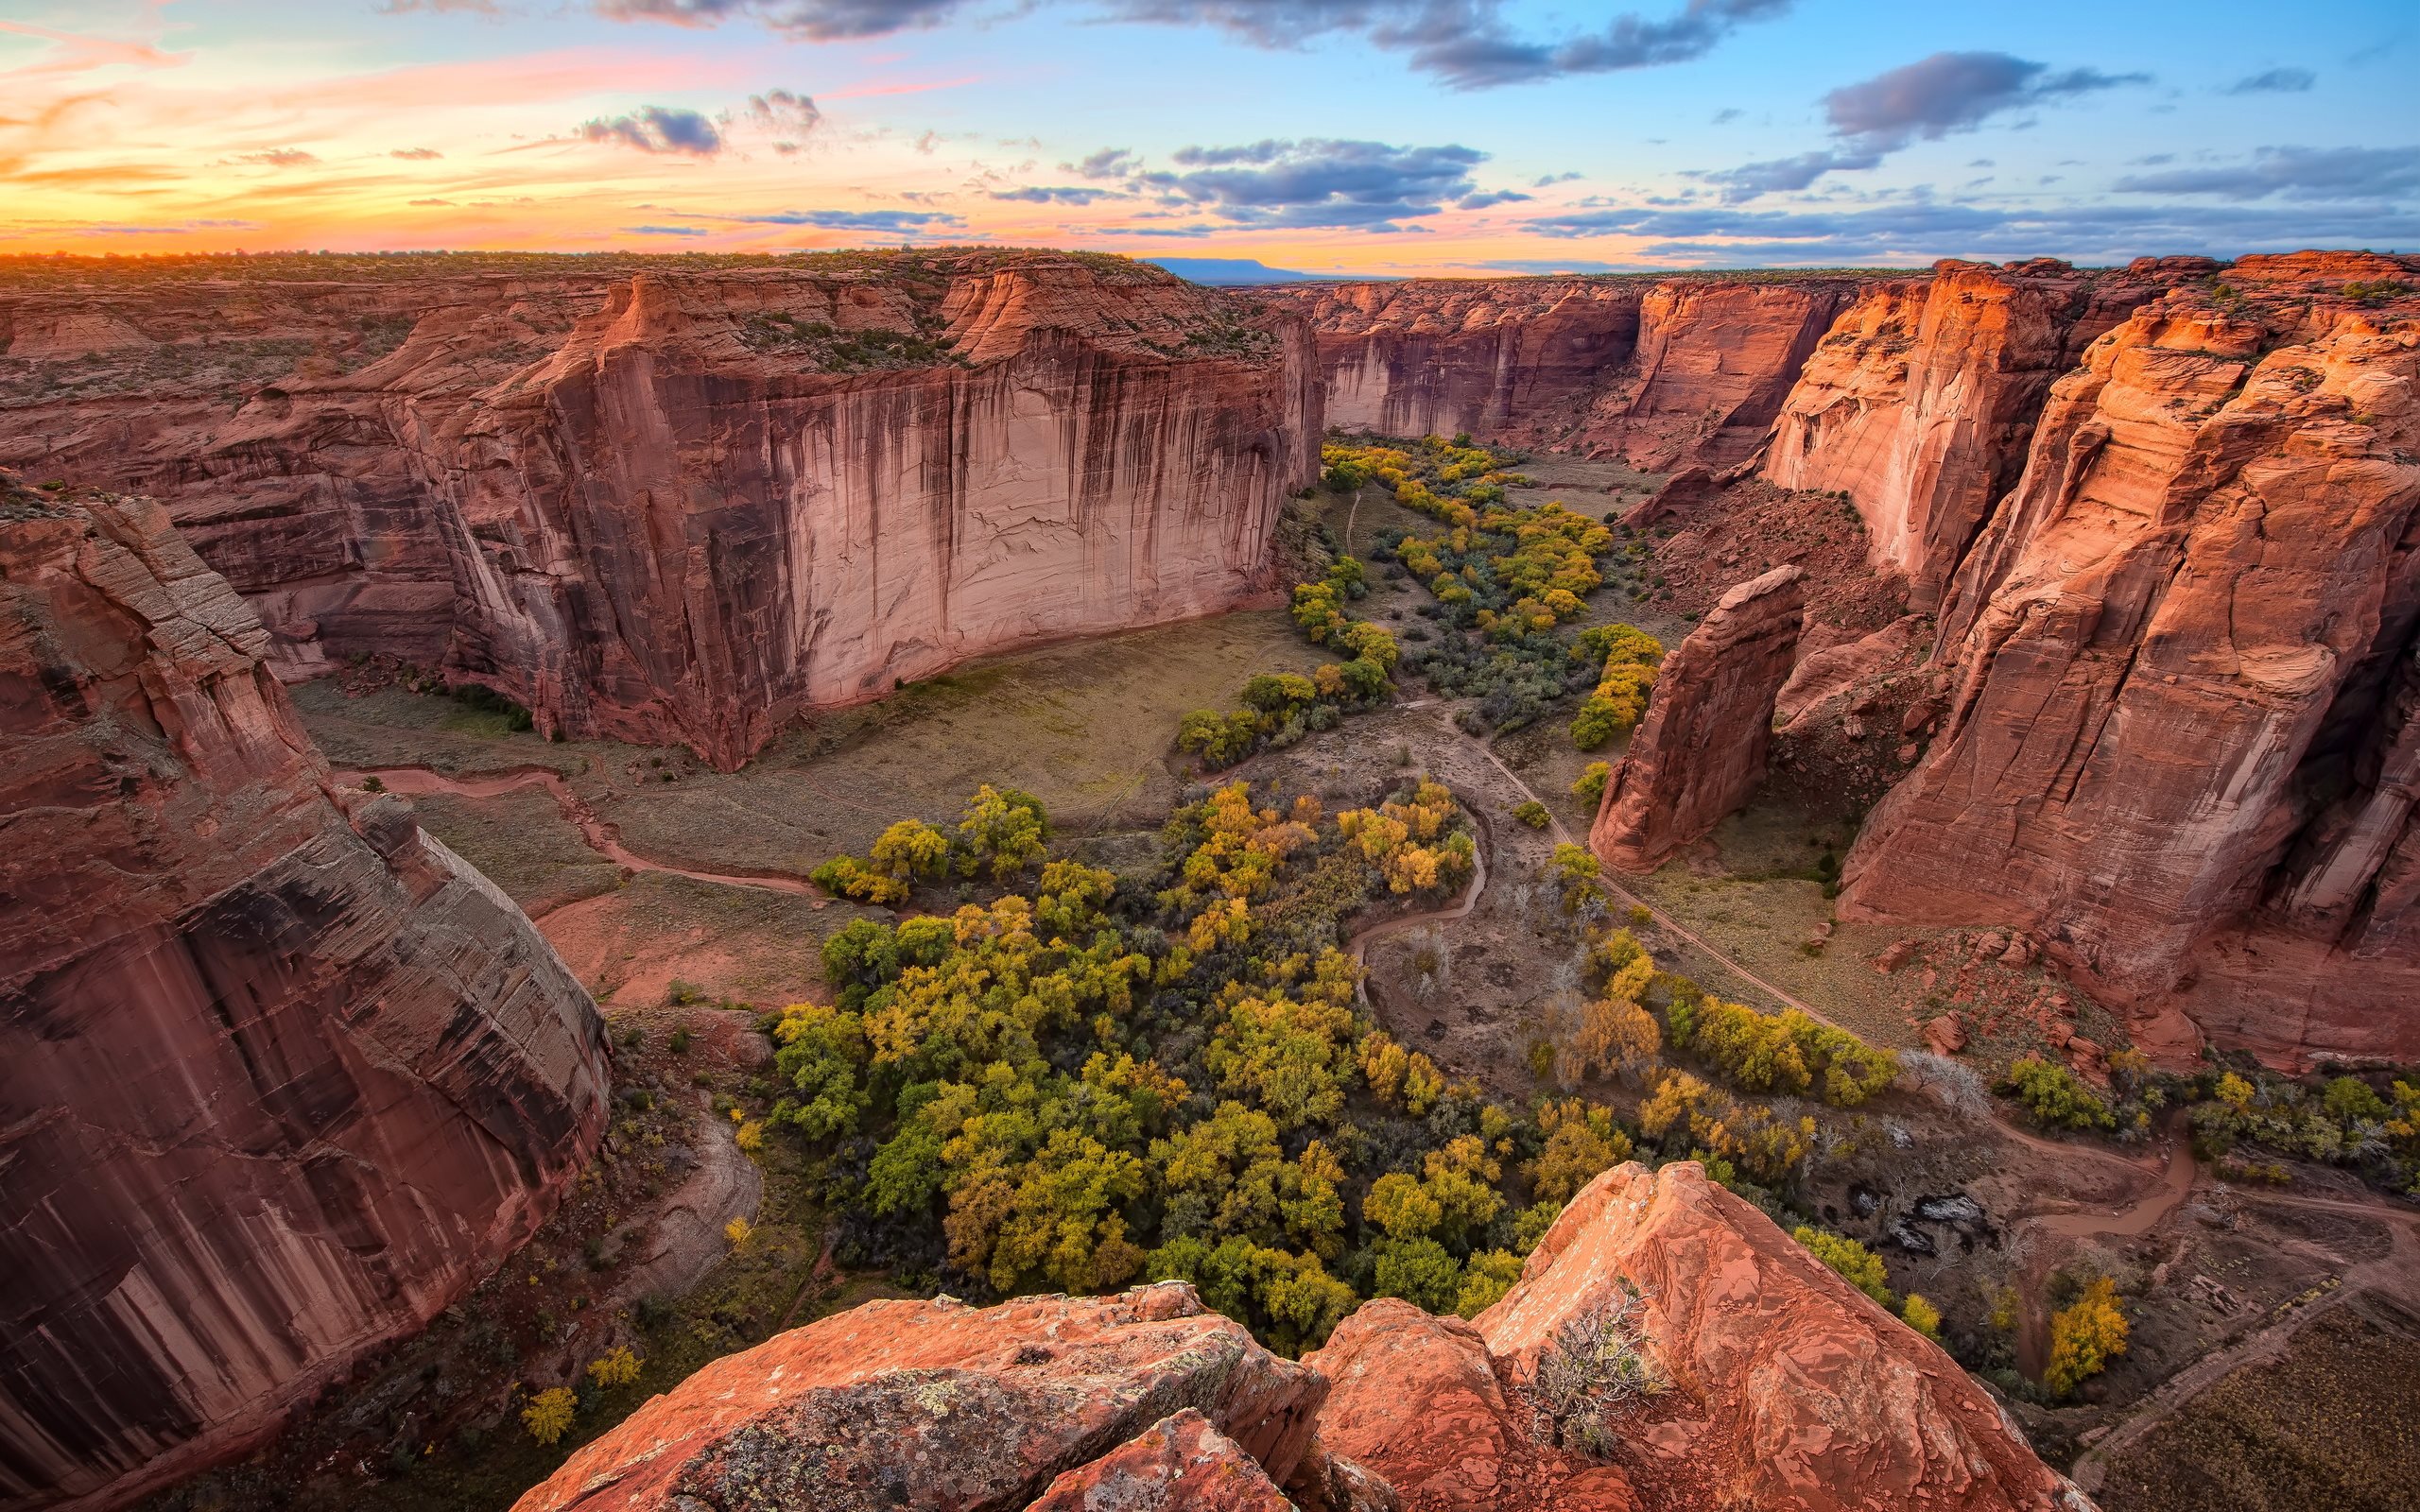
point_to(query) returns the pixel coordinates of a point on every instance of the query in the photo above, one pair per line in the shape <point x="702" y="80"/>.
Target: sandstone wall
<point x="1921" y="400"/>
<point x="2177" y="662"/>
<point x="280" y="1075"/>
<point x="682" y="506"/>
<point x="1503" y="359"/>
<point x="1700" y="753"/>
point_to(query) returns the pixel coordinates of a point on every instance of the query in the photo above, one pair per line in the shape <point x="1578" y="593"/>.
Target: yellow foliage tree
<point x="2085" y="1337"/>
<point x="548" y="1416"/>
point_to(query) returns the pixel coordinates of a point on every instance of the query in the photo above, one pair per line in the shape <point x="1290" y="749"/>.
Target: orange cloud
<point x="78" y="52"/>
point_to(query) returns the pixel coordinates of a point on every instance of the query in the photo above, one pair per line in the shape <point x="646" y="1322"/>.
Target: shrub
<point x="1858" y="1265"/>
<point x="2055" y="1097"/>
<point x="1420" y="1271"/>
<point x="1595" y="1371"/>
<point x="1533" y="813"/>
<point x="1922" y="1316"/>
<point x="2085" y="1337"/>
<point x="548" y="1416"/>
<point x="616" y="1366"/>
<point x="1590" y="786"/>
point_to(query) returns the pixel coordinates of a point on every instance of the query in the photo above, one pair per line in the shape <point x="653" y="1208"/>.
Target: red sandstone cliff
<point x="279" y="1076"/>
<point x="1921" y="400"/>
<point x="1665" y="372"/>
<point x="1786" y="1389"/>
<point x="2179" y="742"/>
<point x="1499" y="358"/>
<point x="684" y="503"/>
<point x="1699" y="751"/>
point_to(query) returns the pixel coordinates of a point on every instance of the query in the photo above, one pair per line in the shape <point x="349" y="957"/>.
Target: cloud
<point x="1108" y="162"/>
<point x="416" y="154"/>
<point x="2274" y="82"/>
<point x="815" y="20"/>
<point x="1315" y="181"/>
<point x="428" y="202"/>
<point x="666" y="231"/>
<point x="1039" y="196"/>
<point x="1551" y="265"/>
<point x="1915" y="231"/>
<point x="655" y="129"/>
<point x="1952" y="91"/>
<point x="1926" y="100"/>
<point x="784" y="113"/>
<point x="1549" y="180"/>
<point x="1726" y="116"/>
<point x="887" y="220"/>
<point x="2295" y="173"/>
<point x="279" y="158"/>
<point x="441" y="7"/>
<point x="1463" y="43"/>
<point x="1486" y="198"/>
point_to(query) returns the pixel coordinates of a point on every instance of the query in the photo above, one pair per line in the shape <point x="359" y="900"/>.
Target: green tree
<point x="1005" y="828"/>
<point x="1859" y="1266"/>
<point x="1420" y="1271"/>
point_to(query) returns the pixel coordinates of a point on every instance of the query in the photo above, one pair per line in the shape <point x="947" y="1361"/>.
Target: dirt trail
<point x="601" y="837"/>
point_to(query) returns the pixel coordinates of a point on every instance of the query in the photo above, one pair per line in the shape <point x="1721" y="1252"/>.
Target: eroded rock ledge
<point x="280" y="1075"/>
<point x="1788" y="1390"/>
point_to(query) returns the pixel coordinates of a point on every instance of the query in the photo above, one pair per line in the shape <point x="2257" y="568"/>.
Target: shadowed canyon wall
<point x="2179" y="744"/>
<point x="280" y="1075"/>
<point x="683" y="503"/>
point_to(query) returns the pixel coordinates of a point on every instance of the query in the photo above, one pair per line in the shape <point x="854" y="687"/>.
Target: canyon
<point x="283" y="1075"/>
<point x="2136" y="631"/>
<point x="681" y="505"/>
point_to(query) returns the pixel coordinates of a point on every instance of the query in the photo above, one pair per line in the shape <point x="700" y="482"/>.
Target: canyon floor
<point x="678" y="895"/>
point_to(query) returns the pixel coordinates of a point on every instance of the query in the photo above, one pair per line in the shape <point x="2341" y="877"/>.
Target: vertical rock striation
<point x="1701" y="750"/>
<point x="2180" y="662"/>
<point x="682" y="506"/>
<point x="1921" y="400"/>
<point x="279" y="1076"/>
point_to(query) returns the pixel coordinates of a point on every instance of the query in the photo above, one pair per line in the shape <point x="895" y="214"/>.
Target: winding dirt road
<point x="601" y="836"/>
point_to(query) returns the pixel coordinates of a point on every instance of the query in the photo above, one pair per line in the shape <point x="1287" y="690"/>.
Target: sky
<point x="1369" y="137"/>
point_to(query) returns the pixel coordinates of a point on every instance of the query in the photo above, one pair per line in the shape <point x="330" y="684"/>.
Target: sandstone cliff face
<point x="1666" y="373"/>
<point x="1788" y="1389"/>
<point x="682" y="506"/>
<point x="1499" y="358"/>
<point x="2178" y="667"/>
<point x="1699" y="751"/>
<point x="276" y="1082"/>
<point x="1919" y="402"/>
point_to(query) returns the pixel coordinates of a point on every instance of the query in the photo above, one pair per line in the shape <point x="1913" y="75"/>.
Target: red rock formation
<point x="942" y="1406"/>
<point x="1786" y="1389"/>
<point x="1793" y="1391"/>
<point x="1503" y="359"/>
<point x="1701" y="749"/>
<point x="2173" y="661"/>
<point x="279" y="1076"/>
<point x="1715" y="361"/>
<point x="1414" y="1400"/>
<point x="1179" y="1464"/>
<point x="1665" y="372"/>
<point x="1920" y="401"/>
<point x="684" y="504"/>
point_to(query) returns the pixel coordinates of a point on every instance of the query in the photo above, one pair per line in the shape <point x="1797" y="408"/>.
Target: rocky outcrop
<point x="1790" y="1389"/>
<point x="679" y="505"/>
<point x="279" y="1076"/>
<point x="1701" y="749"/>
<point x="1503" y="359"/>
<point x="1666" y="372"/>
<point x="1920" y="401"/>
<point x="943" y="1406"/>
<point x="2176" y="741"/>
<point x="1716" y="359"/>
<point x="1777" y="1385"/>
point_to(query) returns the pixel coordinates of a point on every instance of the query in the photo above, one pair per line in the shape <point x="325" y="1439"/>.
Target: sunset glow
<point x="1369" y="139"/>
